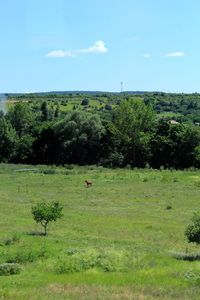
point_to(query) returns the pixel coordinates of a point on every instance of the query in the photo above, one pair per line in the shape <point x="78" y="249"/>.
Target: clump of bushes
<point x="187" y="256"/>
<point x="7" y="269"/>
<point x="78" y="261"/>
<point x="112" y="261"/>
<point x="107" y="260"/>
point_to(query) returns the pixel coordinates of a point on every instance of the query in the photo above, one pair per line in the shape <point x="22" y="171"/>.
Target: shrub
<point x="108" y="260"/>
<point x="85" y="102"/>
<point x="79" y="261"/>
<point x="108" y="107"/>
<point x="192" y="231"/>
<point x="113" y="261"/>
<point x="168" y="207"/>
<point x="187" y="256"/>
<point x="7" y="269"/>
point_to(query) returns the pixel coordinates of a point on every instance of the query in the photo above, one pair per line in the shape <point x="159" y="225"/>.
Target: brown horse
<point x="88" y="183"/>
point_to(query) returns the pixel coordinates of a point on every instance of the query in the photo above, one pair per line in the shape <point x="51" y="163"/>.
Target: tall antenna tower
<point x="121" y="86"/>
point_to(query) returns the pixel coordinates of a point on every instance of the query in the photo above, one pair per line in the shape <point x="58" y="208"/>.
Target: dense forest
<point x="158" y="130"/>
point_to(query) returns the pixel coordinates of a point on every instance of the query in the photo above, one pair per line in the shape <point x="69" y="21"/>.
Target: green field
<point x="116" y="240"/>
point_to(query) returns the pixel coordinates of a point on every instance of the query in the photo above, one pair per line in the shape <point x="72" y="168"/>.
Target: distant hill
<point x="76" y="92"/>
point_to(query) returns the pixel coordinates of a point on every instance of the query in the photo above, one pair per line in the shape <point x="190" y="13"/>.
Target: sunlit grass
<point x="119" y="234"/>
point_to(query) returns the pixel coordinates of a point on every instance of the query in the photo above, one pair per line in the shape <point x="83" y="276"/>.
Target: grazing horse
<point x="88" y="183"/>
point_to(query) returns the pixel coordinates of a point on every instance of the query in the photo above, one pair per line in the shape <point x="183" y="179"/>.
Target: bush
<point x="78" y="261"/>
<point x="85" y="102"/>
<point x="108" y="107"/>
<point x="192" y="231"/>
<point x="108" y="260"/>
<point x="7" y="269"/>
<point x="187" y="256"/>
<point x="113" y="261"/>
<point x="168" y="207"/>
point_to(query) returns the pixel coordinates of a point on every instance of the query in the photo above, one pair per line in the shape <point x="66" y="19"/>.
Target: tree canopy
<point x="116" y="130"/>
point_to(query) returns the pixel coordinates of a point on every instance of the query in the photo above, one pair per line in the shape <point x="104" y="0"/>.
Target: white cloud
<point x="98" y="48"/>
<point x="175" y="54"/>
<point x="60" y="53"/>
<point x="146" y="55"/>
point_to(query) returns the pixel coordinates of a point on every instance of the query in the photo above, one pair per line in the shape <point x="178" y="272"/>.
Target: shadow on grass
<point x="35" y="233"/>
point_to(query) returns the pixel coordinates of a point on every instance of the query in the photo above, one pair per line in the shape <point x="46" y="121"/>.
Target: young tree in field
<point x="44" y="213"/>
<point x="192" y="231"/>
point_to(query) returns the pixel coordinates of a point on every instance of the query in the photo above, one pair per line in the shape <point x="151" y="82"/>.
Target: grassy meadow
<point x="117" y="240"/>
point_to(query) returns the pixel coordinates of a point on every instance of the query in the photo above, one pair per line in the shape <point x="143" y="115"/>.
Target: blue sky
<point x="95" y="44"/>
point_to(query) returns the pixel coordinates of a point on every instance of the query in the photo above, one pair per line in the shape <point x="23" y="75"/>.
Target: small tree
<point x="85" y="102"/>
<point x="192" y="231"/>
<point x="44" y="213"/>
<point x="45" y="111"/>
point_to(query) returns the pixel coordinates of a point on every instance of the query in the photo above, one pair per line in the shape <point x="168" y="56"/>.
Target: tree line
<point x="129" y="135"/>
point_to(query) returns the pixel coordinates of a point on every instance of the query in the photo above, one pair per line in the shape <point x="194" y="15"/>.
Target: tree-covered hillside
<point x="180" y="107"/>
<point x="109" y="129"/>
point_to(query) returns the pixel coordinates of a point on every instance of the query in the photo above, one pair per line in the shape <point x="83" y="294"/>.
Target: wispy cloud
<point x="175" y="54"/>
<point x="147" y="55"/>
<point x="97" y="48"/>
<point x="60" y="53"/>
